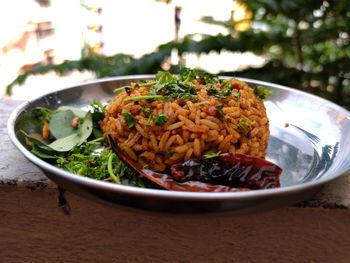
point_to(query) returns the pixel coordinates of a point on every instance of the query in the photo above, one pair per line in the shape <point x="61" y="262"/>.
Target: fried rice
<point x="212" y="121"/>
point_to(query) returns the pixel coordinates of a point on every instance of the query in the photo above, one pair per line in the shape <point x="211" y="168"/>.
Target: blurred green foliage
<point x="305" y="44"/>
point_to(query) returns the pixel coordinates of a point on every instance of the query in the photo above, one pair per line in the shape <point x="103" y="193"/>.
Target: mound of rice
<point x="191" y="128"/>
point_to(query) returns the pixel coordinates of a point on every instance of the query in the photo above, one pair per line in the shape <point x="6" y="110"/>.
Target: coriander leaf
<point x="212" y="91"/>
<point x="98" y="113"/>
<point x="243" y="125"/>
<point x="173" y="87"/>
<point x="261" y="92"/>
<point x="188" y="74"/>
<point x="149" y="120"/>
<point x="225" y="85"/>
<point x="186" y="96"/>
<point x="224" y="94"/>
<point x="98" y="107"/>
<point x="146" y="111"/>
<point x="129" y="119"/>
<point x="164" y="77"/>
<point x="170" y="151"/>
<point x="43" y="114"/>
<point x="219" y="110"/>
<point x="160" y="119"/>
<point x="211" y="154"/>
<point x="237" y="95"/>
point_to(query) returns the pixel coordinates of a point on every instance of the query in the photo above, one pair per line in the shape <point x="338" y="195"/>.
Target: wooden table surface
<point x="40" y="222"/>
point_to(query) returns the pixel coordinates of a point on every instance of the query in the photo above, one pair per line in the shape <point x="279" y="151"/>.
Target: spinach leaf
<point x="83" y="133"/>
<point x="60" y="124"/>
<point x="77" y="112"/>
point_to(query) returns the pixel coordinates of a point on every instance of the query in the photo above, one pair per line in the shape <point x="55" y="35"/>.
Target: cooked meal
<point x="173" y="119"/>
<point x="186" y="132"/>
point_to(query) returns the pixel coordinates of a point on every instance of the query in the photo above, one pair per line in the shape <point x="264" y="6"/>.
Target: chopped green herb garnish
<point x="98" y="113"/>
<point x="147" y="84"/>
<point x="153" y="97"/>
<point x="43" y="114"/>
<point x="170" y="151"/>
<point x="243" y="125"/>
<point x="80" y="151"/>
<point x="173" y="87"/>
<point x="129" y="119"/>
<point x="188" y="74"/>
<point x="110" y="168"/>
<point x="160" y="119"/>
<point x="148" y="121"/>
<point x="241" y="81"/>
<point x="237" y="95"/>
<point x="219" y="110"/>
<point x="146" y="111"/>
<point x="261" y="92"/>
<point x="211" y="154"/>
<point x="121" y="89"/>
<point x="168" y="86"/>
<point x="225" y="85"/>
<point x="212" y="91"/>
<point x="226" y="90"/>
<point x="84" y="160"/>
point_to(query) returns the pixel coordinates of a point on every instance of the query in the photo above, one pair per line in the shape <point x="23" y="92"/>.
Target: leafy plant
<point x="78" y="150"/>
<point x="305" y="44"/>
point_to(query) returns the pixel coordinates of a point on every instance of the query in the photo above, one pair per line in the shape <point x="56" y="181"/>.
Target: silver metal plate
<point x="310" y="140"/>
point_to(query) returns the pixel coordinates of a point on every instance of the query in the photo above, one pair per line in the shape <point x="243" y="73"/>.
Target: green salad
<point x="71" y="139"/>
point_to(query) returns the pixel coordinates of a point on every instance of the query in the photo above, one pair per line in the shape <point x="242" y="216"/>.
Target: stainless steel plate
<point x="309" y="140"/>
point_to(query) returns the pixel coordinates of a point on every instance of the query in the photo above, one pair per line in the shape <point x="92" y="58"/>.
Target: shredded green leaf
<point x="153" y="97"/>
<point x="244" y="124"/>
<point x="160" y="119"/>
<point x="110" y="168"/>
<point x="211" y="154"/>
<point x="261" y="92"/>
<point x="226" y="91"/>
<point x="121" y="89"/>
<point x="146" y="111"/>
<point x="219" y="110"/>
<point x="43" y="114"/>
<point x="237" y="95"/>
<point x="129" y="119"/>
<point x="86" y="157"/>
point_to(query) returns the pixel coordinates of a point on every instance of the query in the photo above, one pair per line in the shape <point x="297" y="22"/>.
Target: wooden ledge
<point x="40" y="222"/>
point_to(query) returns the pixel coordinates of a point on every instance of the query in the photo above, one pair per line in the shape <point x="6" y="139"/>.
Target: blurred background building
<point x="37" y="32"/>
